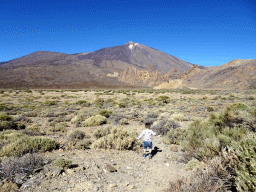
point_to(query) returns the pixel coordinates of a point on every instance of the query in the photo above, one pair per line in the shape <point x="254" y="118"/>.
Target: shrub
<point x="95" y="121"/>
<point x="111" y="102"/>
<point x="122" y="105"/>
<point x="28" y="91"/>
<point x="205" y="139"/>
<point x="163" y="126"/>
<point x="78" y="140"/>
<point x="13" y="166"/>
<point x="124" y="121"/>
<point x="192" y="164"/>
<point x="59" y="127"/>
<point x="83" y="144"/>
<point x="4" y="117"/>
<point x="176" y="136"/>
<point x="164" y="99"/>
<point x="105" y="113"/>
<point x="77" y="135"/>
<point x="178" y="117"/>
<point x="99" y="103"/>
<point x="83" y="102"/>
<point x="239" y="106"/>
<point x="120" y="138"/>
<point x="101" y="132"/>
<point x="49" y="103"/>
<point x="3" y="107"/>
<point x="152" y="115"/>
<point x="253" y="112"/>
<point x="27" y="144"/>
<point x="251" y="98"/>
<point x="246" y="169"/>
<point x="213" y="178"/>
<point x="209" y="109"/>
<point x="62" y="163"/>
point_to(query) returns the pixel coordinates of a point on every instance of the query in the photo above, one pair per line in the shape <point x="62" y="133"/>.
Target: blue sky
<point x="208" y="33"/>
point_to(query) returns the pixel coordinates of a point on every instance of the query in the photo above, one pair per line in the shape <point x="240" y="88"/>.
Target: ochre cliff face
<point x="136" y="77"/>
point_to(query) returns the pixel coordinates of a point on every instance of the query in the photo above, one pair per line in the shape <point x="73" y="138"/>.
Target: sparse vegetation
<point x="116" y="138"/>
<point x="95" y="121"/>
<point x="63" y="163"/>
<point x="214" y="135"/>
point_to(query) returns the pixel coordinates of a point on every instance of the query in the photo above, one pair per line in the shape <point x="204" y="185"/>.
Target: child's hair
<point x="147" y="125"/>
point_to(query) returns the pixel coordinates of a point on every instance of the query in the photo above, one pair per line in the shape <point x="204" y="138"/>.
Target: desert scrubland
<point x="85" y="140"/>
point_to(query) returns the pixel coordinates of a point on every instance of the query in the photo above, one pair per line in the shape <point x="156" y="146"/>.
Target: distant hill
<point x="1" y="63"/>
<point x="101" y="68"/>
<point x="236" y="74"/>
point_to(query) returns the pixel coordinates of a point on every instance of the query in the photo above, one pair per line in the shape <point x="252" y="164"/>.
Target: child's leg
<point x="150" y="149"/>
<point x="144" y="149"/>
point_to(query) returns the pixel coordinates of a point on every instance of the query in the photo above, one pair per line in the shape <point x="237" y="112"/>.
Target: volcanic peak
<point x="131" y="44"/>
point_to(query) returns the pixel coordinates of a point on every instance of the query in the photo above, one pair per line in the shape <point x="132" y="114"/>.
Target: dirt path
<point x="91" y="174"/>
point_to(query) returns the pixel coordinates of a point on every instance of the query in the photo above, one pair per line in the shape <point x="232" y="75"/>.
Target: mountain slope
<point x="137" y="55"/>
<point x="101" y="68"/>
<point x="236" y="74"/>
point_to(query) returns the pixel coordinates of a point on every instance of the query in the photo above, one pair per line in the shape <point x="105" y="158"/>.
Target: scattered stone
<point x="19" y="178"/>
<point x="167" y="164"/>
<point x="56" y="172"/>
<point x="129" y="168"/>
<point x="131" y="187"/>
<point x="112" y="185"/>
<point x="69" y="171"/>
<point x="45" y="162"/>
<point x="37" y="170"/>
<point x="109" y="168"/>
<point x="174" y="148"/>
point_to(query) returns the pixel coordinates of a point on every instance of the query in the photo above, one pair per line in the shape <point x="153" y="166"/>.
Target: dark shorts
<point x="147" y="144"/>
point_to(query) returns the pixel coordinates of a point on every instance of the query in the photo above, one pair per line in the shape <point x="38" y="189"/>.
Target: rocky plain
<point x="85" y="140"/>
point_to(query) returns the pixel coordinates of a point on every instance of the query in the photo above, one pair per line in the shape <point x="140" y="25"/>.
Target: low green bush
<point x="62" y="163"/>
<point x="246" y="169"/>
<point x="99" y="103"/>
<point x="120" y="138"/>
<point x="164" y="98"/>
<point x="163" y="126"/>
<point x="176" y="136"/>
<point x="25" y="144"/>
<point x="209" y="109"/>
<point x="101" y="132"/>
<point x="121" y="105"/>
<point x="82" y="102"/>
<point x="253" y="112"/>
<point x="251" y="98"/>
<point x="106" y="113"/>
<point x="4" y="117"/>
<point x="76" y="135"/>
<point x="28" y="91"/>
<point x="95" y="121"/>
<point x="49" y="103"/>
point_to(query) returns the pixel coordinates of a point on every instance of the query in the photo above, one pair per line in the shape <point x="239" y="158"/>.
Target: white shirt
<point x="147" y="133"/>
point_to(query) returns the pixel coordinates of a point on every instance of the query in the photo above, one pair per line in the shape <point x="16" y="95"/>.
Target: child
<point x="147" y="133"/>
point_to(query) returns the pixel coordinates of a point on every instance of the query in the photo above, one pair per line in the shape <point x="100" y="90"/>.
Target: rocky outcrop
<point x="137" y="77"/>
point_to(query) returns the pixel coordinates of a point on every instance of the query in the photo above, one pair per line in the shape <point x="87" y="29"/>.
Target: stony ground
<point x="110" y="170"/>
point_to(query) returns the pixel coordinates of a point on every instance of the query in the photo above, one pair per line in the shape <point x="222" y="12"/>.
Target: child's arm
<point x="142" y="133"/>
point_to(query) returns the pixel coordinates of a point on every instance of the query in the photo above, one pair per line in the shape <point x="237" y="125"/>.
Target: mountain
<point x="106" y="67"/>
<point x="1" y="63"/>
<point x="136" y="55"/>
<point x="236" y="74"/>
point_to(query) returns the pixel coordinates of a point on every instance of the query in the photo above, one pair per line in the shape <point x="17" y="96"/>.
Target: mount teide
<point x="128" y="65"/>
